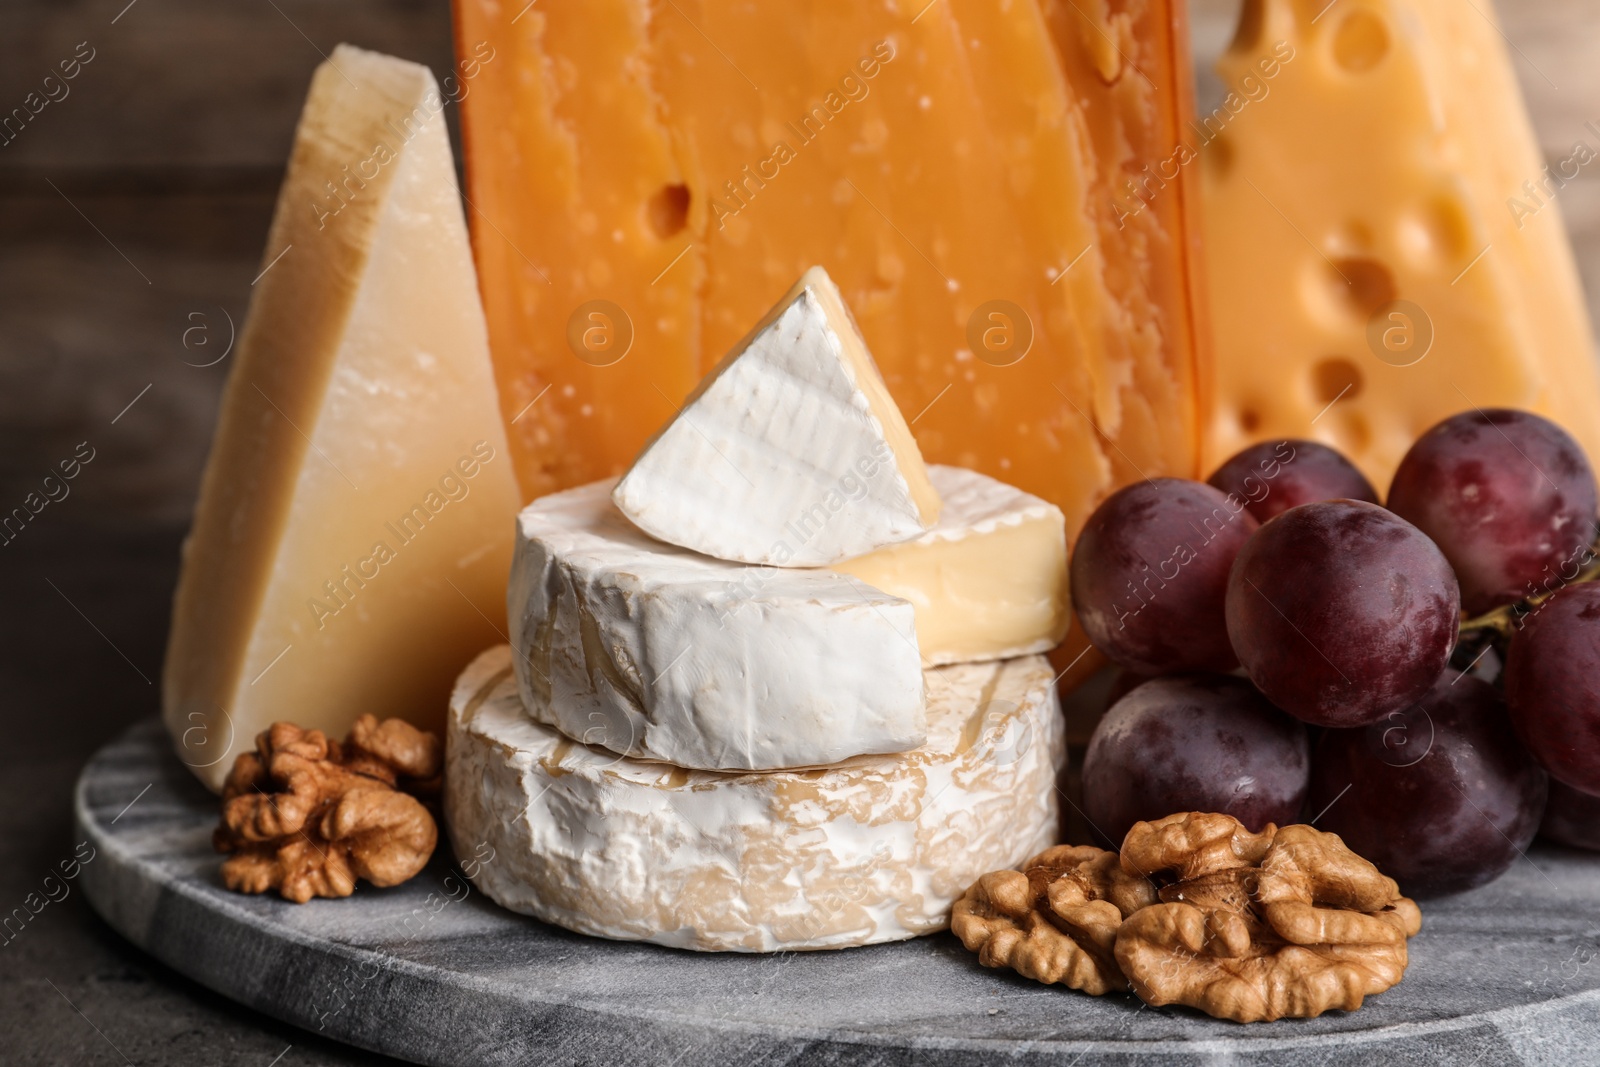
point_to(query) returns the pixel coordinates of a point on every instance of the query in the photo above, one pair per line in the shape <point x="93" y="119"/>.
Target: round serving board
<point x="434" y="973"/>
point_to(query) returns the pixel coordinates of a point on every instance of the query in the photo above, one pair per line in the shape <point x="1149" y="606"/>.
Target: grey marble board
<point x="433" y="973"/>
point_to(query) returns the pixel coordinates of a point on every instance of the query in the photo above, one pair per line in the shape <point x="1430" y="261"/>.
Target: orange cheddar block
<point x="1383" y="240"/>
<point x="647" y="179"/>
<point x="576" y="198"/>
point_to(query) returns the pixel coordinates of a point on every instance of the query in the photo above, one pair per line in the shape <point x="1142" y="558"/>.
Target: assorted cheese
<point x="353" y="536"/>
<point x="989" y="581"/>
<point x="964" y="170"/>
<point x="654" y="651"/>
<point x="873" y="849"/>
<point x="776" y="686"/>
<point x="1383" y="237"/>
<point x="790" y="453"/>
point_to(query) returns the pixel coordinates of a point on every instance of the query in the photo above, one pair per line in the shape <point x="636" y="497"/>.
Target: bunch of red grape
<point x="1292" y="651"/>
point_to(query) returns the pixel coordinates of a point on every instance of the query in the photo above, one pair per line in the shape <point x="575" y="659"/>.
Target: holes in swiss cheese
<point x="1364" y="285"/>
<point x="1352" y="430"/>
<point x="1436" y="234"/>
<point x="1335" y="378"/>
<point x="668" y="210"/>
<point x="1360" y="42"/>
<point x="1450" y="228"/>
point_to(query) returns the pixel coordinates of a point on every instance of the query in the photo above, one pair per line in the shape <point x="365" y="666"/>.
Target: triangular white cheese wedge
<point x="353" y="537"/>
<point x="790" y="453"/>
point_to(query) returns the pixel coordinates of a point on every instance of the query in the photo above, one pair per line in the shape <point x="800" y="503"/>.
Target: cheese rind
<point x="875" y="849"/>
<point x="658" y="652"/>
<point x="989" y="581"/>
<point x="354" y="529"/>
<point x="1384" y="241"/>
<point x="790" y="453"/>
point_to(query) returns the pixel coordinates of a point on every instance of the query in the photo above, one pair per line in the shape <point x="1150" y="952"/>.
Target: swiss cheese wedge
<point x="1384" y="242"/>
<point x="353" y="536"/>
<point x="648" y="179"/>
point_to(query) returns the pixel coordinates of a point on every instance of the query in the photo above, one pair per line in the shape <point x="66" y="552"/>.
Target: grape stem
<point x="1507" y="619"/>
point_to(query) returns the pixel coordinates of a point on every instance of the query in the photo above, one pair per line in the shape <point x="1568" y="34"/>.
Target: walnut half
<point x="1055" y="921"/>
<point x="307" y="816"/>
<point x="1200" y="911"/>
<point x="1295" y="924"/>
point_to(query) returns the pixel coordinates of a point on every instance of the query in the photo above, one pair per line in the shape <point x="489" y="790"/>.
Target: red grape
<point x="1572" y="817"/>
<point x="1440" y="796"/>
<point x="1196" y="742"/>
<point x="1508" y="496"/>
<point x="1552" y="683"/>
<point x="1272" y="477"/>
<point x="1342" y="612"/>
<point x="1150" y="571"/>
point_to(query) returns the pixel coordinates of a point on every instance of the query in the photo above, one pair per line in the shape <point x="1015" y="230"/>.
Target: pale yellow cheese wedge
<point x="352" y="541"/>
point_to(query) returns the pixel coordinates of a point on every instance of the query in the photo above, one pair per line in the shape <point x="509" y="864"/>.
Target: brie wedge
<point x="657" y="652"/>
<point x="790" y="453"/>
<point x="989" y="581"/>
<point x="875" y="849"/>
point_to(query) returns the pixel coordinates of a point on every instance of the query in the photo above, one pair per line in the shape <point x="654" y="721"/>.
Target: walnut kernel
<point x="1198" y="910"/>
<point x="1055" y="921"/>
<point x="307" y="816"/>
<point x="1285" y="923"/>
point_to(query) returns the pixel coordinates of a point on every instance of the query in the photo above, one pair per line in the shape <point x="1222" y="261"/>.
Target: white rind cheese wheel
<point x="654" y="651"/>
<point x="875" y="849"/>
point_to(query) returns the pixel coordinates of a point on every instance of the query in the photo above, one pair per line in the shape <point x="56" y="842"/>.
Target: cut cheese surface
<point x="989" y="581"/>
<point x="576" y="197"/>
<point x="874" y="849"/>
<point x="1384" y="244"/>
<point x="654" y="651"/>
<point x="353" y="536"/>
<point x="959" y="169"/>
<point x="790" y="453"/>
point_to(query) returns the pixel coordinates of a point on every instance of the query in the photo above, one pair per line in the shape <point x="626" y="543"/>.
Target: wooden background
<point x="134" y="210"/>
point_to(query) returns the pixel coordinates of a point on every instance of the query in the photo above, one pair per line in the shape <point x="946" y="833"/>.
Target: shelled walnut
<point x="307" y="815"/>
<point x="1198" y="910"/>
<point x="1056" y="920"/>
<point x="1288" y="922"/>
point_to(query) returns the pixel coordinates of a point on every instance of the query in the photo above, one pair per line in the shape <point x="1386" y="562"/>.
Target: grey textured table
<point x="432" y="972"/>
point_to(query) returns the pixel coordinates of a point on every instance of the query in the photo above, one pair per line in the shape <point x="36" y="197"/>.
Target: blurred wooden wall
<point x="133" y="209"/>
